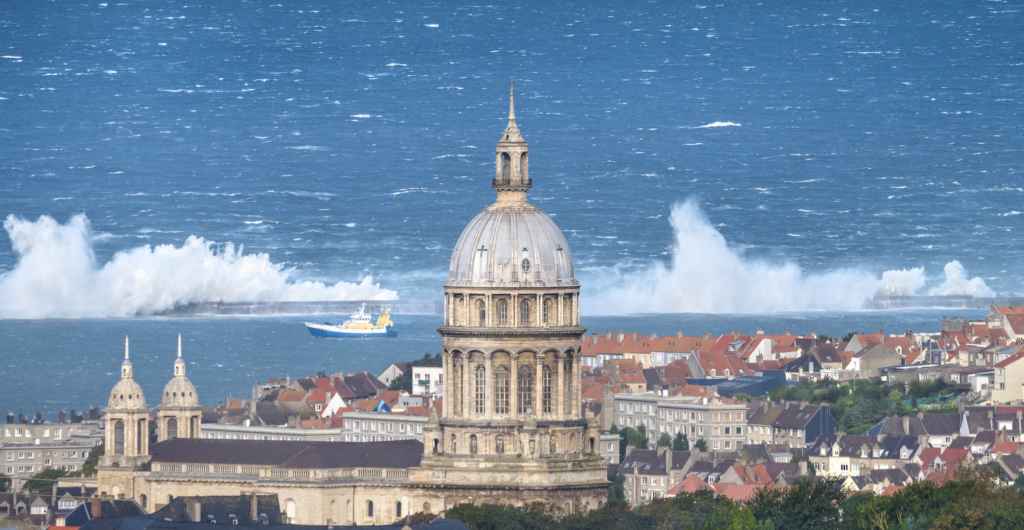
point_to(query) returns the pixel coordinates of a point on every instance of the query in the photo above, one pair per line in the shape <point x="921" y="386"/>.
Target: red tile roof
<point x="290" y="396"/>
<point x="1011" y="359"/>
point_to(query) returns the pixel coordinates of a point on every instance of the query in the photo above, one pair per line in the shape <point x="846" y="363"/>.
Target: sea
<point x="714" y="167"/>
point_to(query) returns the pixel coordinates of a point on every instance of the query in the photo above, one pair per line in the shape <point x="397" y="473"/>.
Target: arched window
<point x="436" y="443"/>
<point x="525" y="389"/>
<point x="502" y="312"/>
<point x="483" y="313"/>
<point x="142" y="500"/>
<point x="141" y="436"/>
<point x="506" y="166"/>
<point x="453" y="444"/>
<point x="398" y="509"/>
<point x="481" y="390"/>
<point x="524" y="313"/>
<point x="499" y="444"/>
<point x="459" y="375"/>
<point x="547" y="310"/>
<point x="369" y="508"/>
<point x="172" y="428"/>
<point x="713" y="373"/>
<point x="546" y="403"/>
<point x="572" y="443"/>
<point x="472" y="444"/>
<point x="501" y="384"/>
<point x="290" y="510"/>
<point x="119" y="437"/>
<point x="170" y="499"/>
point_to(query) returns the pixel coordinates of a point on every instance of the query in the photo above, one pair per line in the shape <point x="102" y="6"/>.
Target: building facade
<point x="720" y="422"/>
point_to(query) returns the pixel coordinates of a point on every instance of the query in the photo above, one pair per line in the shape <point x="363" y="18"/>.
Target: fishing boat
<point x="357" y="326"/>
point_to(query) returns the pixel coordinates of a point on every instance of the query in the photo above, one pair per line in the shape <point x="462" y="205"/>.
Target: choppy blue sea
<point x="781" y="161"/>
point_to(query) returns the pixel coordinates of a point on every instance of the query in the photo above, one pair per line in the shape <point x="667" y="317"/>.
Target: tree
<point x="89" y="467"/>
<point x="614" y="429"/>
<point x="680" y="443"/>
<point x="43" y="481"/>
<point x="805" y="504"/>
<point x="664" y="440"/>
<point x="701" y="444"/>
<point x="742" y="395"/>
<point x="617" y="486"/>
<point x="404" y="381"/>
<point x="848" y="336"/>
<point x="321" y="374"/>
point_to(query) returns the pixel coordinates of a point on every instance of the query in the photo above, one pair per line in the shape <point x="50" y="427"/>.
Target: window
<point x="501" y="390"/>
<point x="38" y="510"/>
<point x="547" y="310"/>
<point x="525" y="384"/>
<point x="481" y="390"/>
<point x="483" y="313"/>
<point x="46" y="433"/>
<point x="715" y="417"/>
<point x="46" y="462"/>
<point x="369" y="508"/>
<point x="398" y="509"/>
<point x="419" y="429"/>
<point x="524" y="310"/>
<point x="547" y="390"/>
<point x="716" y="444"/>
<point x="502" y="312"/>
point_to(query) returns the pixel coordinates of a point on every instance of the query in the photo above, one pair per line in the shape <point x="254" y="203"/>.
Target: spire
<point x="511" y="100"/>
<point x="511" y="172"/>
<point x="126" y="366"/>
<point x="179" y="363"/>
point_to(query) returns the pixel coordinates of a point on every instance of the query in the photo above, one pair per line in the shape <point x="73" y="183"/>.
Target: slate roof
<point x="222" y="506"/>
<point x="397" y="454"/>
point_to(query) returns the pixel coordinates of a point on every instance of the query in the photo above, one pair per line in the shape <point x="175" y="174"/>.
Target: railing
<point x="373" y="474"/>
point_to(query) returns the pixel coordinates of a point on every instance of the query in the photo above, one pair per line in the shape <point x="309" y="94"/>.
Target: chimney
<point x="881" y="334"/>
<point x="668" y="461"/>
<point x="880" y="437"/>
<point x="621" y="336"/>
<point x="736" y="335"/>
<point x="653" y="336"/>
<point x="906" y="425"/>
<point x="706" y="336"/>
<point x="253" y="507"/>
<point x="802" y="405"/>
<point x="94" y="509"/>
<point x="194" y="510"/>
<point x="679" y="334"/>
<point x="608" y="335"/>
<point x="814" y="335"/>
<point x="786" y="333"/>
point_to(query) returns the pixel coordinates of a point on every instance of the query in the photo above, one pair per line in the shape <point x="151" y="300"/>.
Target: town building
<point x="719" y="421"/>
<point x="427" y="381"/>
<point x="795" y="424"/>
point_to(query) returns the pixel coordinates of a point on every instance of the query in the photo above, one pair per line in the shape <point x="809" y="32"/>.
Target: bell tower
<point x="126" y="436"/>
<point x="179" y="414"/>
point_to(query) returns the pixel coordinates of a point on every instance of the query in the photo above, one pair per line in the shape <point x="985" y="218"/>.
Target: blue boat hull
<point x="319" y="332"/>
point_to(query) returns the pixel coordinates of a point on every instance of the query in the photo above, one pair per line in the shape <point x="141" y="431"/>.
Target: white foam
<point x="719" y="124"/>
<point x="958" y="284"/>
<point x="57" y="276"/>
<point x="432" y="25"/>
<point x="308" y="148"/>
<point x="706" y="274"/>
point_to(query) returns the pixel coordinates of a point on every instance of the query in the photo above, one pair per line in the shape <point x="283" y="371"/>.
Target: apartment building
<point x="719" y="421"/>
<point x="19" y="461"/>
<point x="794" y="424"/>
<point x="426" y="381"/>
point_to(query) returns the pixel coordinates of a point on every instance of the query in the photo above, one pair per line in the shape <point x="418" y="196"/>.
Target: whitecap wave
<point x="57" y="276"/>
<point x="719" y="124"/>
<point x="708" y="275"/>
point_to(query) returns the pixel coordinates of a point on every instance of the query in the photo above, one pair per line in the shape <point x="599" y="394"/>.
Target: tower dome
<point x="127" y="394"/>
<point x="179" y="391"/>
<point x="512" y="243"/>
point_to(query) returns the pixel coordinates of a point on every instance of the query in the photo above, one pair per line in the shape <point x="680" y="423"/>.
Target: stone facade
<point x="720" y="422"/>
<point x="179" y="414"/>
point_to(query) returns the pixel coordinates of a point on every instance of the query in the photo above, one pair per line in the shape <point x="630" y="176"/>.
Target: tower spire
<point x="179" y="345"/>
<point x="126" y="366"/>
<point x="511" y="100"/>
<point x="126" y="347"/>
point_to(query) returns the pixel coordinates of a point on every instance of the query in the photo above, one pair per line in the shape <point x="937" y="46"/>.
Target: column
<point x="488" y="386"/>
<point x="560" y="304"/>
<point x="446" y="371"/>
<point x="575" y="387"/>
<point x="560" y="358"/>
<point x="466" y="377"/>
<point x="490" y="312"/>
<point x="514" y="303"/>
<point x="513" y="402"/>
<point x="538" y="387"/>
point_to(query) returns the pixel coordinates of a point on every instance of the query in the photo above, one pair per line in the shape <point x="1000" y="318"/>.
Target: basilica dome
<point x="511" y="247"/>
<point x="511" y="243"/>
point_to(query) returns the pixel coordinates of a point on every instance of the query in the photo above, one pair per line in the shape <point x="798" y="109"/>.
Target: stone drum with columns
<point x="179" y="413"/>
<point x="512" y="431"/>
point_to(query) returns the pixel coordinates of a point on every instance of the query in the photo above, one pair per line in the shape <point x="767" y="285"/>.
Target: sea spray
<point x="708" y="275"/>
<point x="57" y="276"/>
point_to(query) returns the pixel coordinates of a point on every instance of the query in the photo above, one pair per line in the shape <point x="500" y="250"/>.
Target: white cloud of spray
<point x="708" y="275"/>
<point x="57" y="276"/>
